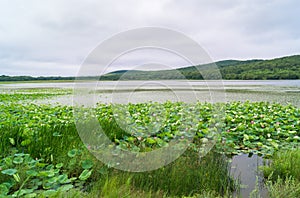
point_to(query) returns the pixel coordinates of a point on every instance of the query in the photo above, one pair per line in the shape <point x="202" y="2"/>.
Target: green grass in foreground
<point x="41" y="153"/>
<point x="24" y="175"/>
<point x="288" y="188"/>
<point x="284" y="164"/>
<point x="283" y="174"/>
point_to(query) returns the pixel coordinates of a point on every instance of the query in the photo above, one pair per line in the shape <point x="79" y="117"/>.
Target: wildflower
<point x="252" y="122"/>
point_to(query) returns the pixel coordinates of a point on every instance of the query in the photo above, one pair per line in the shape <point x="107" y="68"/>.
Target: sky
<point x="55" y="37"/>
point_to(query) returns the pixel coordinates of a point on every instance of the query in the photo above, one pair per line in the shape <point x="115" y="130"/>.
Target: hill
<point x="279" y="68"/>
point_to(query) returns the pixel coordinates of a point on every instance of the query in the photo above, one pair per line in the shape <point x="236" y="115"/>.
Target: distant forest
<point x="30" y="78"/>
<point x="275" y="69"/>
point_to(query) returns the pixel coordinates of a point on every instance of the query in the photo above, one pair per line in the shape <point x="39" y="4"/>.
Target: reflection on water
<point x="246" y="169"/>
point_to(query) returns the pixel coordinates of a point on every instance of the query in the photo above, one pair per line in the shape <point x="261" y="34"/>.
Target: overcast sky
<point x="53" y="37"/>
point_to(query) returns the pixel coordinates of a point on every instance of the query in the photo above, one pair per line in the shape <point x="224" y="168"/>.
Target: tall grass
<point x="284" y="164"/>
<point x="186" y="176"/>
<point x="282" y="174"/>
<point x="189" y="175"/>
<point x="287" y="188"/>
<point x="48" y="142"/>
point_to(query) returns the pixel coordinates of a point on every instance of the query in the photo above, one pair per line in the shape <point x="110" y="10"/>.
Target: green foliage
<point x="288" y="188"/>
<point x="284" y="164"/>
<point x="279" y="68"/>
<point x="282" y="173"/>
<point x="29" y="95"/>
<point x="260" y="127"/>
<point x="22" y="175"/>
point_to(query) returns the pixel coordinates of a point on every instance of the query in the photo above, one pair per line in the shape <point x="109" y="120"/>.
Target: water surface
<point x="280" y="91"/>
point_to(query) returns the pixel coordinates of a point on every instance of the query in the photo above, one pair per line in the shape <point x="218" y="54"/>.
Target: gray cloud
<point x="54" y="37"/>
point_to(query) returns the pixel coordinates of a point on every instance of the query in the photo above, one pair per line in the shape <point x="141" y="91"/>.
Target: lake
<point x="281" y="91"/>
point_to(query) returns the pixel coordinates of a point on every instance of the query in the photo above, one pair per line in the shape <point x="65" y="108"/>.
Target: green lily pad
<point x="62" y="178"/>
<point x="49" y="193"/>
<point x="65" y="188"/>
<point x="59" y="165"/>
<point x="32" y="173"/>
<point x="31" y="195"/>
<point x="9" y="171"/>
<point x="87" y="164"/>
<point x="18" y="160"/>
<point x="72" y="153"/>
<point x="85" y="175"/>
<point x="22" y="192"/>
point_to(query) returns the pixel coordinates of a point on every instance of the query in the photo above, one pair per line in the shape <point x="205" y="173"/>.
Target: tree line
<point x="275" y="69"/>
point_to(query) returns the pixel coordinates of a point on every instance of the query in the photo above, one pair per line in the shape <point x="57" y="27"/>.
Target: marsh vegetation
<point x="42" y="155"/>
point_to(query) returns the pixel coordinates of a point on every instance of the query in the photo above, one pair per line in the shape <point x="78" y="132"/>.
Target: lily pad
<point x="72" y="153"/>
<point x="9" y="171"/>
<point x="87" y="164"/>
<point x="85" y="175"/>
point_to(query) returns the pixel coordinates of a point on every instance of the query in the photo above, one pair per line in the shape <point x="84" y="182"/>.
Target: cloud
<point x="38" y="68"/>
<point x="54" y="37"/>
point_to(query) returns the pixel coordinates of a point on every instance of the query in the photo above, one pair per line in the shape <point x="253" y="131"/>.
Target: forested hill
<point x="279" y="68"/>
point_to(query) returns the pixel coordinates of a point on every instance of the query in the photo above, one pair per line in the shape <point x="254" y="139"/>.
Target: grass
<point x="282" y="174"/>
<point x="288" y="188"/>
<point x="284" y="164"/>
<point x="189" y="175"/>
